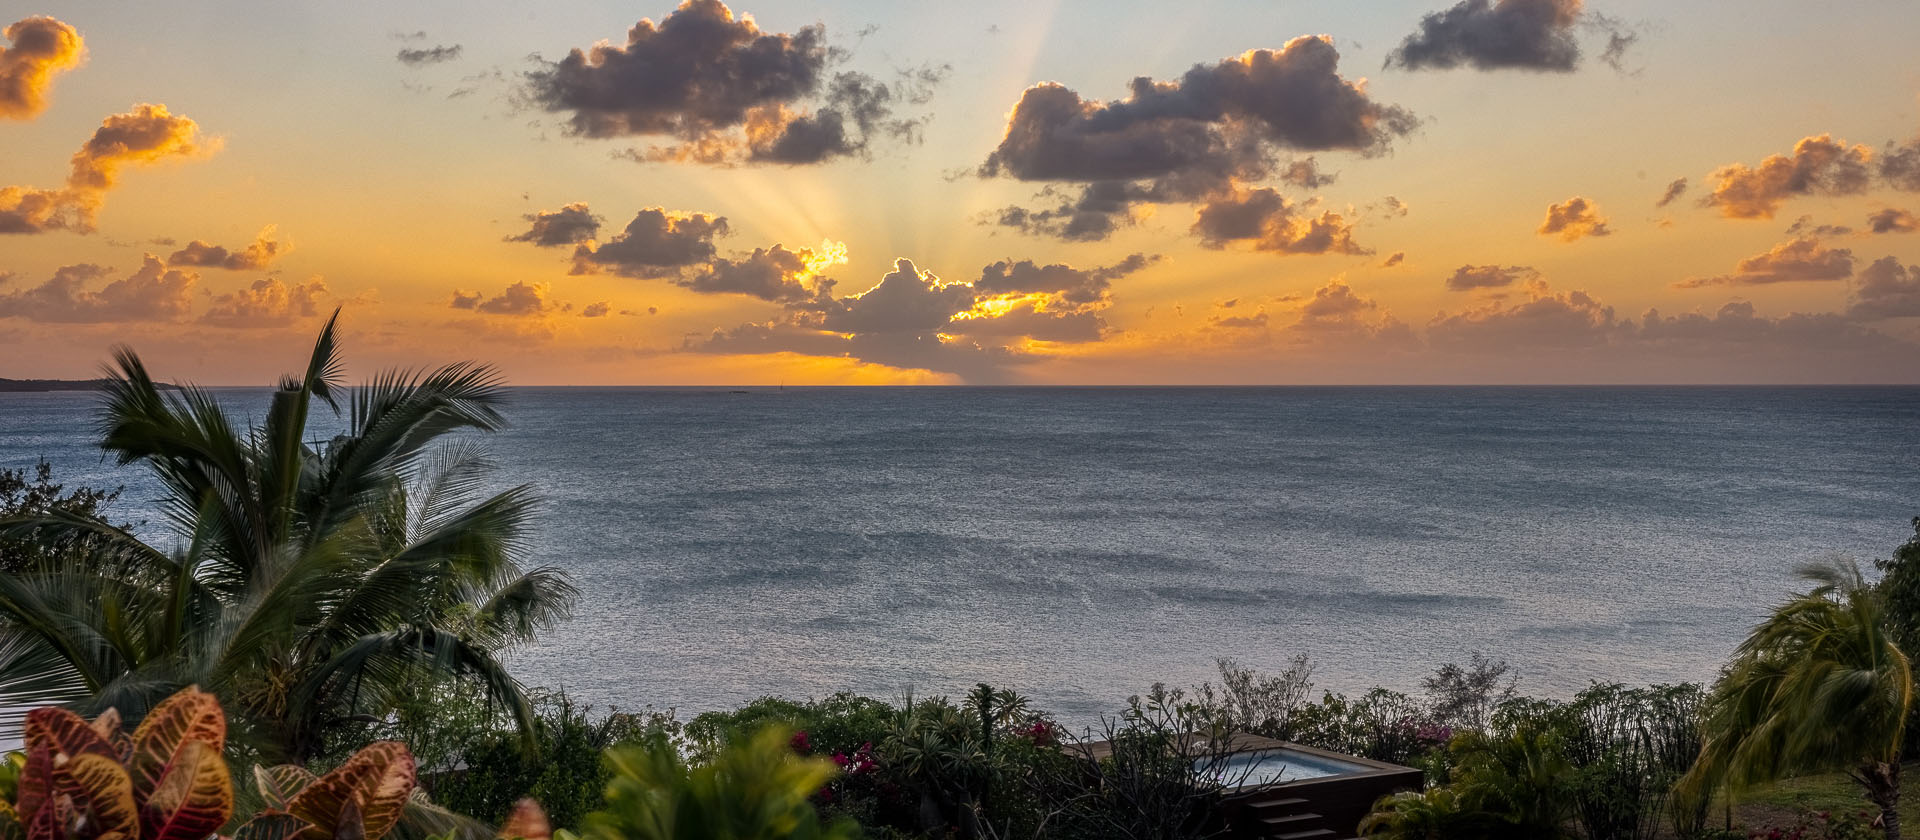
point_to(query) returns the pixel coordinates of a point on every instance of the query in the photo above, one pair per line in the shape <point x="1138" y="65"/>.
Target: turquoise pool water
<point x="1266" y="767"/>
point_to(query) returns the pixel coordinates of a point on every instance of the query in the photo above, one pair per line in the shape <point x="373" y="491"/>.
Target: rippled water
<point x="1082" y="543"/>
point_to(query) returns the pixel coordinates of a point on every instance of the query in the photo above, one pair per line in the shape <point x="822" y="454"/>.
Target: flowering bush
<point x="1822" y="825"/>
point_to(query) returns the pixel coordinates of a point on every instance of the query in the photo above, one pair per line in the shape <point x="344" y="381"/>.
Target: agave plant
<point x="306" y="583"/>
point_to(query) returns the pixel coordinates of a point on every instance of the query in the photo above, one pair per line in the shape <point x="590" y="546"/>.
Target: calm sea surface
<point x="1080" y="544"/>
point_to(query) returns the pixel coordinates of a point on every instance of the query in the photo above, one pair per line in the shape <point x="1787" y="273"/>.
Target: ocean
<point x="1080" y="544"/>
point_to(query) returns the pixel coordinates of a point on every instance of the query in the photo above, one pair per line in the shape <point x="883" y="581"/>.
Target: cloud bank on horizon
<point x="1248" y="211"/>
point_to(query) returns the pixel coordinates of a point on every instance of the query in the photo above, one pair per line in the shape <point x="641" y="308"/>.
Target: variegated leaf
<point x="193" y="799"/>
<point x="279" y="784"/>
<point x="377" y="780"/>
<point x="350" y="825"/>
<point x="110" y="727"/>
<point x="272" y="825"/>
<point x="104" y="792"/>
<point x="34" y="798"/>
<point x="64" y="732"/>
<point x="191" y="715"/>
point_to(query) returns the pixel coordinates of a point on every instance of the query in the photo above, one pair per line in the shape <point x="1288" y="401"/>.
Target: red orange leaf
<point x="272" y="825"/>
<point x="376" y="780"/>
<point x="279" y="784"/>
<point x="110" y="728"/>
<point x="189" y="716"/>
<point x="64" y="732"/>
<point x="35" y="795"/>
<point x="350" y="826"/>
<point x="105" y="794"/>
<point x="193" y="799"/>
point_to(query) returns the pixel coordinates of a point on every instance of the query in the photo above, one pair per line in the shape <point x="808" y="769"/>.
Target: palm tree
<point x="307" y="583"/>
<point x="1819" y="687"/>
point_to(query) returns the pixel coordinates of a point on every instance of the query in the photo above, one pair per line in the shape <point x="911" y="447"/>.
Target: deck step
<point x="1276" y="803"/>
<point x="1313" y="834"/>
<point x="1290" y="819"/>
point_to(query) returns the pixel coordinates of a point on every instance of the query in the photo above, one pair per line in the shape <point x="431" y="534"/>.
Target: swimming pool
<point x="1255" y="768"/>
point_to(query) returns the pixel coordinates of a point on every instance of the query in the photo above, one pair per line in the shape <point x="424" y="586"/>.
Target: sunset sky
<point x="999" y="191"/>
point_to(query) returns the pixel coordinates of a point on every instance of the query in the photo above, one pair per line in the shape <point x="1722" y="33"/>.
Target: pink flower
<point x="800" y="743"/>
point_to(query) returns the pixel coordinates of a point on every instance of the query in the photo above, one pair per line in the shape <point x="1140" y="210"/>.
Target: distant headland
<point x="18" y="385"/>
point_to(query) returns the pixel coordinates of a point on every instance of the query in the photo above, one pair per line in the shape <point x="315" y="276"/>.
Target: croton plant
<point x="167" y="780"/>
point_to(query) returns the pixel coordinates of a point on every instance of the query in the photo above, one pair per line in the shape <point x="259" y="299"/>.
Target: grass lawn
<point x="1780" y="804"/>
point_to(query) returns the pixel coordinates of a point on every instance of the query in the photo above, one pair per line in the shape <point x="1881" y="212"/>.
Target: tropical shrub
<point x="1249" y="701"/>
<point x="1440" y="813"/>
<point x="1628" y="747"/>
<point x="1381" y="724"/>
<point x="755" y="787"/>
<point x="489" y="772"/>
<point x="22" y="495"/>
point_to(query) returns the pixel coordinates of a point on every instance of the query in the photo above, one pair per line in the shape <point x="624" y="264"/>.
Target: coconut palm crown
<point x="305" y="582"/>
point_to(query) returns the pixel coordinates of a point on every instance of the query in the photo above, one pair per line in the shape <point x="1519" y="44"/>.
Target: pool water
<point x="1265" y="767"/>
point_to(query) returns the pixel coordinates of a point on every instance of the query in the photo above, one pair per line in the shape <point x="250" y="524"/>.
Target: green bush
<point x="754" y="787"/>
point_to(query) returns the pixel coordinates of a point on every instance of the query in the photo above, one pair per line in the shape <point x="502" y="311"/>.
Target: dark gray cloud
<point x="1095" y="213"/>
<point x="1223" y="118"/>
<point x="1305" y="173"/>
<point x="657" y="243"/>
<point x="568" y="225"/>
<point x="1819" y="165"/>
<point x="42" y="48"/>
<point x="1397" y="258"/>
<point x="1468" y="277"/>
<point x="519" y="300"/>
<point x="1886" y="290"/>
<point x="1675" y="189"/>
<point x="1792" y="261"/>
<point x="724" y="92"/>
<point x="775" y="274"/>
<point x="596" y="310"/>
<point x="1537" y="35"/>
<point x="1546" y="319"/>
<point x="257" y="255"/>
<point x="1900" y="165"/>
<point x="1071" y="285"/>
<point x="1267" y="221"/>
<point x="1893" y="220"/>
<point x="1200" y="138"/>
<point x="1572" y="219"/>
<point x="1804" y="227"/>
<point x="153" y="293"/>
<point x="416" y="57"/>
<point x="1334" y="306"/>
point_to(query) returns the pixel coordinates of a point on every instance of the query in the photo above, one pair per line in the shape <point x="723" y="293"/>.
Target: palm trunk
<point x="1883" y="789"/>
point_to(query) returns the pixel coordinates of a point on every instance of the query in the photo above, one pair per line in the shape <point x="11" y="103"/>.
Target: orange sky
<point x="1060" y="192"/>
